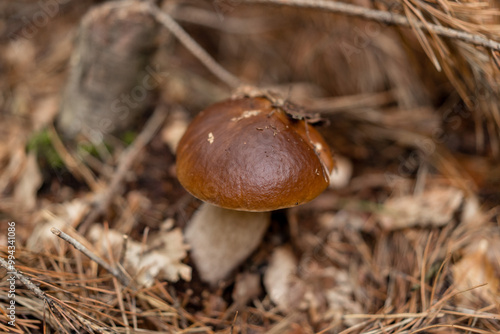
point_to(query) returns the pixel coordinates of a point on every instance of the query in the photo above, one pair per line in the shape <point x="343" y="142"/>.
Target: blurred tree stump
<point x="110" y="80"/>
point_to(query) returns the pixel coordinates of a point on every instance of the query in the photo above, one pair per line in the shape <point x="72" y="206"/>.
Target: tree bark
<point x="110" y="80"/>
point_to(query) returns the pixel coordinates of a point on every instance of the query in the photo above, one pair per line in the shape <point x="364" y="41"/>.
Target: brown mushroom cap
<point x="246" y="155"/>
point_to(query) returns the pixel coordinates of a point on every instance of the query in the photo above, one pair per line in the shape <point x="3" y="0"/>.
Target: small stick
<point x="391" y="316"/>
<point x="121" y="305"/>
<point x="202" y="55"/>
<point x="234" y="321"/>
<point x="384" y="17"/>
<point x="75" y="243"/>
<point x="124" y="249"/>
<point x="33" y="288"/>
<point x="177" y="306"/>
<point x="26" y="281"/>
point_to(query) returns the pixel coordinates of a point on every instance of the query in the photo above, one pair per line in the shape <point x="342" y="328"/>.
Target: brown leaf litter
<point x="406" y="240"/>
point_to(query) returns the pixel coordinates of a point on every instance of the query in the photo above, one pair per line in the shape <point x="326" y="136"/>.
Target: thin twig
<point x="124" y="280"/>
<point x="234" y="322"/>
<point x="208" y="18"/>
<point x="11" y="270"/>
<point x="390" y="316"/>
<point x="121" y="305"/>
<point x="128" y="157"/>
<point x="453" y="327"/>
<point x="384" y="17"/>
<point x="207" y="60"/>
<point x="26" y="281"/>
<point x="423" y="273"/>
<point x="178" y="307"/>
<point x="123" y="250"/>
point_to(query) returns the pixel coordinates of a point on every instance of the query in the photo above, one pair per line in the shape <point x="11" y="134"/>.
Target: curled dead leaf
<point x="62" y="216"/>
<point x="280" y="281"/>
<point x="479" y="266"/>
<point x="160" y="258"/>
<point x="434" y="207"/>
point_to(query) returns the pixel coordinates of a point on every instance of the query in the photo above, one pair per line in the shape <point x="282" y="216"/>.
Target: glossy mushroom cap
<point x="246" y="155"/>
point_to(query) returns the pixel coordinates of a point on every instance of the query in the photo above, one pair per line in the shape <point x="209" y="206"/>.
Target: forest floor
<point x="405" y="240"/>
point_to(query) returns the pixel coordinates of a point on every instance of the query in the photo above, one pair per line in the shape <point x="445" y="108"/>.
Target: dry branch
<point x="384" y="17"/>
<point x="26" y="281"/>
<point x="35" y="289"/>
<point x="207" y="60"/>
<point x="85" y="251"/>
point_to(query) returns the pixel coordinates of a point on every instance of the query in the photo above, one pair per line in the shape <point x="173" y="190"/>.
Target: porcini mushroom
<point x="245" y="158"/>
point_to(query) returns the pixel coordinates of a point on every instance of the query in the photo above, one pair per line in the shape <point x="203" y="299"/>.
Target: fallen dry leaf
<point x="434" y="207"/>
<point x="61" y="216"/>
<point x="160" y="258"/>
<point x="479" y="266"/>
<point x="280" y="280"/>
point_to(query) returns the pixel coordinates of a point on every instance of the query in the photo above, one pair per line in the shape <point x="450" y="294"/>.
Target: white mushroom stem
<point x="221" y="239"/>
